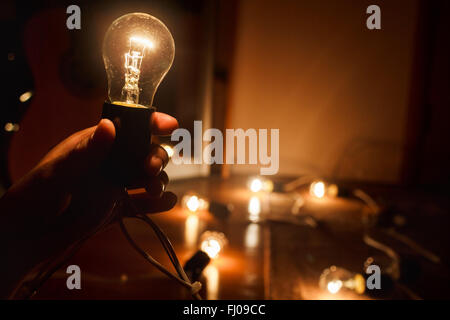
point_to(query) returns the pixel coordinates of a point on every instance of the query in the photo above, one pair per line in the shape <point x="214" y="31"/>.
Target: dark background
<point x="368" y="108"/>
<point x="220" y="66"/>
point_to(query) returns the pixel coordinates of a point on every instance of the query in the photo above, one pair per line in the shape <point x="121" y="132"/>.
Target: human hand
<point x="67" y="196"/>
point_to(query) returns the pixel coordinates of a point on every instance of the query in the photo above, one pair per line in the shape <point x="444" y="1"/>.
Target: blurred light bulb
<point x="138" y="50"/>
<point x="256" y="185"/>
<point x="194" y="203"/>
<point x="334" y="286"/>
<point x="317" y="189"/>
<point x="212" y="243"/>
<point x="334" y="279"/>
<point x="169" y="150"/>
<point x="11" y="127"/>
<point x="260" y="184"/>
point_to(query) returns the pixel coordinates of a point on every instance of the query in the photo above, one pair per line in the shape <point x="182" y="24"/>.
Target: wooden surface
<point x="279" y="257"/>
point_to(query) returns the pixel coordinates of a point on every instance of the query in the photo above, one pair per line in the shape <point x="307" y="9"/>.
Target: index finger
<point x="163" y="124"/>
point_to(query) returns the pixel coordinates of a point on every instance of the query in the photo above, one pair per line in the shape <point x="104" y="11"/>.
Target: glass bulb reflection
<point x="254" y="209"/>
<point x="169" y="150"/>
<point x="138" y="50"/>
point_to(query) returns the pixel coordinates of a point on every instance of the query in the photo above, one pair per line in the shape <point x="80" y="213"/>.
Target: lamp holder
<point x="125" y="163"/>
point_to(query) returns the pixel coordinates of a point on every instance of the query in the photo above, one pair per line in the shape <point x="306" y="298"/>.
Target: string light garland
<point x="211" y="244"/>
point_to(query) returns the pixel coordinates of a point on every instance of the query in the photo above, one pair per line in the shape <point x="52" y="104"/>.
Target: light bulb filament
<point x="133" y="62"/>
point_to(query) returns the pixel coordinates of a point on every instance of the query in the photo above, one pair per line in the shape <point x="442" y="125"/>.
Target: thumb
<point x="101" y="140"/>
<point x="90" y="150"/>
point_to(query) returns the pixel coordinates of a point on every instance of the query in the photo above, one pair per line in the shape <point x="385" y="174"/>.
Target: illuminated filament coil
<point x="133" y="62"/>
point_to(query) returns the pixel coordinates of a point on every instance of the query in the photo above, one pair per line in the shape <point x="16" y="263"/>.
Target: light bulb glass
<point x="138" y="50"/>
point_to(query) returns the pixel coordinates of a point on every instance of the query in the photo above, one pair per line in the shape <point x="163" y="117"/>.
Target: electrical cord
<point x="167" y="245"/>
<point x="29" y="288"/>
<point x="194" y="287"/>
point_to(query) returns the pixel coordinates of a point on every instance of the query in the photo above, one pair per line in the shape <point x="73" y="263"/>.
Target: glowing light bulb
<point x="11" y="127"/>
<point x="194" y="203"/>
<point x="138" y="50"/>
<point x="335" y="279"/>
<point x="212" y="243"/>
<point x="317" y="189"/>
<point x="260" y="184"/>
<point x="334" y="286"/>
<point x="256" y="185"/>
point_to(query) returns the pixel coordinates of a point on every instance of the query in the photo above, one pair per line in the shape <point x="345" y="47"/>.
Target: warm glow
<point x="24" y="97"/>
<point x="211" y="274"/>
<point x="193" y="203"/>
<point x="252" y="236"/>
<point x="332" y="190"/>
<point x="260" y="184"/>
<point x="317" y="189"/>
<point x="212" y="247"/>
<point x="254" y="208"/>
<point x="212" y="243"/>
<point x="169" y="150"/>
<point x="334" y="286"/>
<point x="11" y="127"/>
<point x="191" y="230"/>
<point x="256" y="185"/>
<point x="142" y="41"/>
<point x="335" y="279"/>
